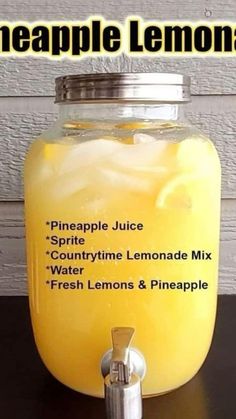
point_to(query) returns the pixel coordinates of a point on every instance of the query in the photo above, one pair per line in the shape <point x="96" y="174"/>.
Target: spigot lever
<point x="119" y="367"/>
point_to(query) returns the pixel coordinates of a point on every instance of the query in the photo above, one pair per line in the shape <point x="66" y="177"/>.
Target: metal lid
<point x="123" y="87"/>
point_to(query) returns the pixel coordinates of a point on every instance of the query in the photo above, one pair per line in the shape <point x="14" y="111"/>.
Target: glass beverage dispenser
<point x="122" y="203"/>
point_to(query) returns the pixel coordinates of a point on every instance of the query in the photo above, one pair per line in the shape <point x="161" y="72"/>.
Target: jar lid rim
<point x="125" y="87"/>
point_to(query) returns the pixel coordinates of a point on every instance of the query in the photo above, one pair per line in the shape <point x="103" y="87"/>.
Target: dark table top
<point x="28" y="391"/>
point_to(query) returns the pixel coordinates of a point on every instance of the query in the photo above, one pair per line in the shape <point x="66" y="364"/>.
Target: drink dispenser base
<point x="122" y="205"/>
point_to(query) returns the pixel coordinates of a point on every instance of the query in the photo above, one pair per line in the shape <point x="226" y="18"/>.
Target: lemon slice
<point x="179" y="192"/>
<point x="133" y="125"/>
<point x="127" y="140"/>
<point x="78" y="125"/>
<point x="195" y="151"/>
<point x="54" y="154"/>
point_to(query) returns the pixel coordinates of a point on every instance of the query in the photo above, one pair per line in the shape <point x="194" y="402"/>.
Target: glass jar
<point x="122" y="202"/>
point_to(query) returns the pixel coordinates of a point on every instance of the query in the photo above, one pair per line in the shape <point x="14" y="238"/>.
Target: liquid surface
<point x="173" y="190"/>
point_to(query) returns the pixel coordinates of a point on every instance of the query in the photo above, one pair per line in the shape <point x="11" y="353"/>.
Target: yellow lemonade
<point x="123" y="232"/>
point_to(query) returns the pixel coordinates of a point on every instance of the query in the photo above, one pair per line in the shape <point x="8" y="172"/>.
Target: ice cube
<point x="140" y="156"/>
<point x="143" y="139"/>
<point x="96" y="205"/>
<point x="87" y="154"/>
<point x="121" y="180"/>
<point x="64" y="186"/>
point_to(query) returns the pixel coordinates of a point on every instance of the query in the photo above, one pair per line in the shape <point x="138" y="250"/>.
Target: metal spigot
<point x="123" y="369"/>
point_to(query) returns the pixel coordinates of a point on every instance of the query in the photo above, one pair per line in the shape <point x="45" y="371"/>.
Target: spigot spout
<point x="123" y="395"/>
